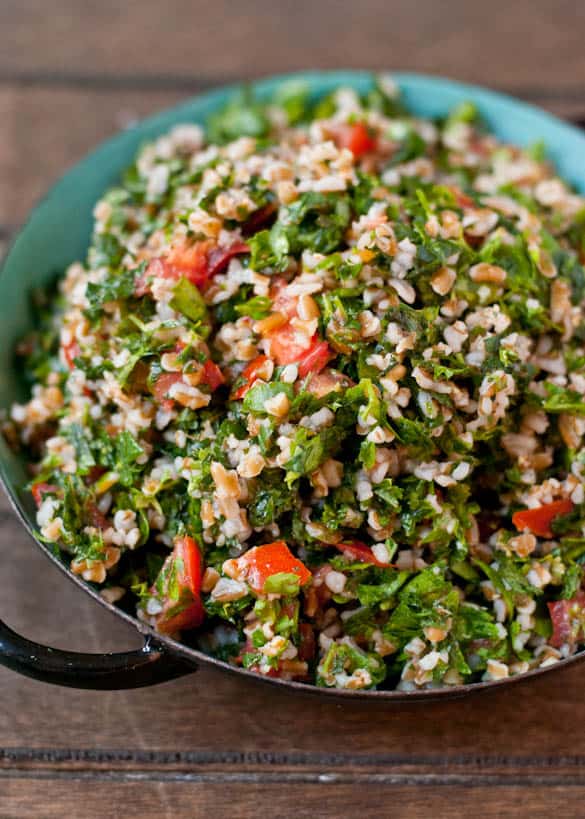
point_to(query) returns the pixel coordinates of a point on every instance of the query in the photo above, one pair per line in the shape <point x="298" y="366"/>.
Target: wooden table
<point x="72" y="73"/>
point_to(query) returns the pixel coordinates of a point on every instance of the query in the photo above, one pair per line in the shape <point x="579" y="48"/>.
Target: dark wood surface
<point x="213" y="745"/>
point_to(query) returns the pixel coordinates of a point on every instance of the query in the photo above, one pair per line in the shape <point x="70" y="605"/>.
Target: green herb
<point x="188" y="300"/>
<point x="116" y="286"/>
<point x="256" y="398"/>
<point x="346" y="659"/>
<point x="126" y="452"/>
<point x="426" y="600"/>
<point x="293" y="98"/>
<point x="572" y="581"/>
<point x="285" y="583"/>
<point x="257" y="307"/>
<point x="561" y="399"/>
<point x="309" y="451"/>
<point x="80" y="440"/>
<point x="242" y="116"/>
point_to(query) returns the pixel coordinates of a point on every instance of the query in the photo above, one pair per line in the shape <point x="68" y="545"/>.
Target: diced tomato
<point x="539" y="520"/>
<point x="315" y="359"/>
<point x="357" y="138"/>
<point x="182" y="571"/>
<point x="251" y="374"/>
<point x="40" y="489"/>
<point x="307" y="643"/>
<point x="462" y="199"/>
<point x="212" y="375"/>
<point x="287" y="345"/>
<point x="323" y="383"/>
<point x="568" y="620"/>
<point x="260" y="219"/>
<point x="161" y="389"/>
<point x="360" y="553"/>
<point x="219" y="258"/>
<point x="198" y="262"/>
<point x="70" y="352"/>
<point x="188" y="261"/>
<point x="262" y="562"/>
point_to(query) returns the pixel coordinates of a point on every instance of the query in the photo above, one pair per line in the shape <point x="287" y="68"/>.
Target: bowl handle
<point x="145" y="666"/>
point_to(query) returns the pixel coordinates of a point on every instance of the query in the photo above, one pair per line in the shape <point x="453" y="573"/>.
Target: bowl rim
<point x="159" y="122"/>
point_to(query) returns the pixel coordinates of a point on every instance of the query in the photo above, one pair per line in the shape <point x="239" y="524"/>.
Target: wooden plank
<point x="44" y="130"/>
<point x="501" y="44"/>
<point x="53" y="799"/>
<point x="220" y="713"/>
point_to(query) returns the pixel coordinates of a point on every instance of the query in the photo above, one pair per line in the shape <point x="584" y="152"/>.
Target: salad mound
<point x="315" y="399"/>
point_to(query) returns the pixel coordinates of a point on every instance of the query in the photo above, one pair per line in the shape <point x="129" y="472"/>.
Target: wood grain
<point x="531" y="43"/>
<point x="43" y="131"/>
<point x="212" y="745"/>
<point x="194" y="800"/>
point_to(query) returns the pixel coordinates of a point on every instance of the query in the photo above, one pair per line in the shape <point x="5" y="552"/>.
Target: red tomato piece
<point x="40" y="489"/>
<point x="251" y="373"/>
<point x="315" y="359"/>
<point x="183" y="569"/>
<point x="212" y="375"/>
<point x="70" y="352"/>
<point x="162" y="386"/>
<point x="462" y="199"/>
<point x="190" y="262"/>
<point x="260" y="219"/>
<point x="262" y="562"/>
<point x="360" y="553"/>
<point x="357" y="138"/>
<point x="219" y="257"/>
<point x="568" y="620"/>
<point x="287" y="346"/>
<point x="539" y="520"/>
<point x="198" y="262"/>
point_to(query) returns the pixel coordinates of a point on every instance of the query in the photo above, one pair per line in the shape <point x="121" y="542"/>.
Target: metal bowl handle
<point x="149" y="665"/>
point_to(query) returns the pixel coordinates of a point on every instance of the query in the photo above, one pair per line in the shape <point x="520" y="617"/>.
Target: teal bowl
<point x="58" y="231"/>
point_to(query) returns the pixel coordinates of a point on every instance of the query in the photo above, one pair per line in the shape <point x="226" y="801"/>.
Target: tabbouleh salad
<point x="319" y="388"/>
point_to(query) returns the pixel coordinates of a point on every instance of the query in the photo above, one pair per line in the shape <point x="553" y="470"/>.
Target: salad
<point x="315" y="398"/>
